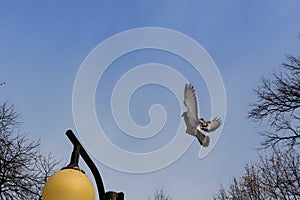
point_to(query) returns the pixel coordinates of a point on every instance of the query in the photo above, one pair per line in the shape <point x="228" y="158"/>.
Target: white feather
<point x="190" y="101"/>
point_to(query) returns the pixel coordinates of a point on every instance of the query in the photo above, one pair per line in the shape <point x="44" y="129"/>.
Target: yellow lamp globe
<point x="68" y="184"/>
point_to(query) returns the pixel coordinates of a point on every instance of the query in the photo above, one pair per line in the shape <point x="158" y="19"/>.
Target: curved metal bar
<point x="90" y="163"/>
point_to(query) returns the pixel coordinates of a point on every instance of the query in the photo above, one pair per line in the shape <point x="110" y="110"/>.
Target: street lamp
<point x="71" y="183"/>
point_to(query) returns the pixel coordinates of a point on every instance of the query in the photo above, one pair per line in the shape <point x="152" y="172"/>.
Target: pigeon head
<point x="184" y="114"/>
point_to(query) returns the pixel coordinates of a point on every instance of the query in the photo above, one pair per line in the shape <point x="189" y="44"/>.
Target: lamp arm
<point x="90" y="163"/>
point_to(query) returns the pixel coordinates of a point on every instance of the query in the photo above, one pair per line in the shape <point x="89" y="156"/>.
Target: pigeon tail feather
<point x="203" y="139"/>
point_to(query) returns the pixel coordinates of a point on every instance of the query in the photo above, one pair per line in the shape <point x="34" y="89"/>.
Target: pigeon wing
<point x="190" y="101"/>
<point x="214" y="124"/>
<point x="190" y="127"/>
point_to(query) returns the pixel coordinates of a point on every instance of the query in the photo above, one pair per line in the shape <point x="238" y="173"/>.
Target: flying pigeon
<point x="193" y="124"/>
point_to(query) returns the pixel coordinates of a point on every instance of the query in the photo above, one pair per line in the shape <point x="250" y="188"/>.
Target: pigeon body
<point x="193" y="124"/>
<point x="190" y="129"/>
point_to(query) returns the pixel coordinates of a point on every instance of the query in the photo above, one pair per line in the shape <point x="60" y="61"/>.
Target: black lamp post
<point x="50" y="194"/>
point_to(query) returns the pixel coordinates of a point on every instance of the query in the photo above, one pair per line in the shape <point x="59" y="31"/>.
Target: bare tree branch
<point x="278" y="105"/>
<point x="161" y="195"/>
<point x="273" y="177"/>
<point x="23" y="169"/>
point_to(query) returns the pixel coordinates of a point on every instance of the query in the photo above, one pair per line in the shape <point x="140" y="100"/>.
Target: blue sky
<point x="42" y="46"/>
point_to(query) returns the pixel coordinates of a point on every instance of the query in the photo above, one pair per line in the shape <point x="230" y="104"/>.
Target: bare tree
<point x="278" y="105"/>
<point x="161" y="195"/>
<point x="273" y="177"/>
<point x="277" y="174"/>
<point x="23" y="169"/>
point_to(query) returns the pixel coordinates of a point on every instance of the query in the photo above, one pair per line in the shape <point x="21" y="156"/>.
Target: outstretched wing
<point x="190" y="125"/>
<point x="214" y="124"/>
<point x="190" y="101"/>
